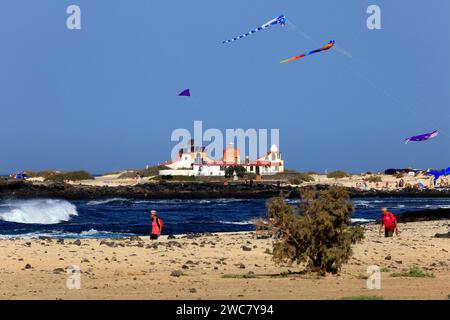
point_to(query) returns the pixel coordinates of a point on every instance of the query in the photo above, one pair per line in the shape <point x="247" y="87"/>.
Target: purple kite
<point x="422" y="137"/>
<point x="185" y="93"/>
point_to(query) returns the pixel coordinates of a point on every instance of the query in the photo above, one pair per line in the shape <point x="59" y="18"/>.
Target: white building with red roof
<point x="195" y="162"/>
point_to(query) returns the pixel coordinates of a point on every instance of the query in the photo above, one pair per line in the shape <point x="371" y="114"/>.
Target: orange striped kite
<point x="328" y="46"/>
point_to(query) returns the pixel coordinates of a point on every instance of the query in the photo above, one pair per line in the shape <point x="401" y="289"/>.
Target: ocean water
<point x="117" y="217"/>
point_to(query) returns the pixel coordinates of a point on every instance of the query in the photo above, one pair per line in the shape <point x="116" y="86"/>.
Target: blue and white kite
<point x="281" y="20"/>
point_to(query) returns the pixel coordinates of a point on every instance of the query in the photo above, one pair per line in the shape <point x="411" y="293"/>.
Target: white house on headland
<point x="195" y="162"/>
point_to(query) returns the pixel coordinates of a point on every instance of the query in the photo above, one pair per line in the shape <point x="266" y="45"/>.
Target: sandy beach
<point x="220" y="266"/>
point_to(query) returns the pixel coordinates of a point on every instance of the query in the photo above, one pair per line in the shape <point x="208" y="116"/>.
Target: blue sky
<point x="105" y="97"/>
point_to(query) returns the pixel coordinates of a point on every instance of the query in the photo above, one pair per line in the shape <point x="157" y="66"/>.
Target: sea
<point x="117" y="217"/>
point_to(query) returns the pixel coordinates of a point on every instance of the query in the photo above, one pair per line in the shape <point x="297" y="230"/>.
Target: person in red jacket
<point x="389" y="222"/>
<point x="157" y="225"/>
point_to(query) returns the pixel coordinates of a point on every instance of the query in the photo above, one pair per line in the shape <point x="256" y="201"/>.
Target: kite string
<point x="344" y="52"/>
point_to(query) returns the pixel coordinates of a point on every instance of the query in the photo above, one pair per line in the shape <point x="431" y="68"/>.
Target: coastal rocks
<point x="28" y="266"/>
<point x="388" y="257"/>
<point x="442" y="235"/>
<point x="245" y="248"/>
<point x="48" y="239"/>
<point x="59" y="270"/>
<point x="110" y="244"/>
<point x="153" y="190"/>
<point x="77" y="242"/>
<point x="176" y="273"/>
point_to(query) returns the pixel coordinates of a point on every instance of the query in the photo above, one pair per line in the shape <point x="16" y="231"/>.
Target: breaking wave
<point x="39" y="211"/>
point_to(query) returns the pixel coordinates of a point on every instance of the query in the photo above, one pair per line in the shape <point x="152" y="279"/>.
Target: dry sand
<point x="213" y="268"/>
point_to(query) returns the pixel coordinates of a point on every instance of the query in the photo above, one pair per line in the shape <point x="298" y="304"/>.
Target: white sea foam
<point x="361" y="220"/>
<point x="92" y="233"/>
<point x="104" y="201"/>
<point x="243" y="223"/>
<point x="39" y="211"/>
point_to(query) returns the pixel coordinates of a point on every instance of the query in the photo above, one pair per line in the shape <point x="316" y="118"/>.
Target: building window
<point x="251" y="168"/>
<point x="198" y="158"/>
<point x="273" y="156"/>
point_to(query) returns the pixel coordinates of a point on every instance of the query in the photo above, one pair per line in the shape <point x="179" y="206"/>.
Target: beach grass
<point x="385" y="269"/>
<point x="363" y="297"/>
<point x="239" y="276"/>
<point x="413" y="273"/>
<point x="362" y="277"/>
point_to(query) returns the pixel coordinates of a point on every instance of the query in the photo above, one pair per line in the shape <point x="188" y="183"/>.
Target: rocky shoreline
<point x="182" y="190"/>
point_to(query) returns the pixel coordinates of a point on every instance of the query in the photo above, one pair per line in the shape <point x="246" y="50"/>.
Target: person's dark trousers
<point x="388" y="232"/>
<point x="153" y="236"/>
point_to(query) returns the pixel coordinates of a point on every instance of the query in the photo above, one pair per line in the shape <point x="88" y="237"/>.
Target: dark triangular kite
<point x="185" y="93"/>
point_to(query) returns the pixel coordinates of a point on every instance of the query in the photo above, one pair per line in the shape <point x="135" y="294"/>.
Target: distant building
<point x="194" y="162"/>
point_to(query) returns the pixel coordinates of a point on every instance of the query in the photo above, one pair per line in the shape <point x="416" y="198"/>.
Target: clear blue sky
<point x="105" y="97"/>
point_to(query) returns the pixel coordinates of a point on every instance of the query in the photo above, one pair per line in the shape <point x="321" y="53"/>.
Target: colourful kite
<point x="185" y="93"/>
<point x="422" y="137"/>
<point x="281" y="20"/>
<point x="437" y="174"/>
<point x="328" y="46"/>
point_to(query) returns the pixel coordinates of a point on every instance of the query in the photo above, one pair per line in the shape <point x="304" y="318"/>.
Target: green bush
<point x="239" y="170"/>
<point x="373" y="179"/>
<point x="250" y="176"/>
<point x="338" y="174"/>
<point x="317" y="233"/>
<point x="70" y="176"/>
<point x="151" y="171"/>
<point x="301" y="177"/>
<point x="413" y="273"/>
<point x="43" y="174"/>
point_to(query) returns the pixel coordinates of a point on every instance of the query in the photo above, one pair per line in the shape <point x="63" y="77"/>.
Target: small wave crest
<point x="242" y="223"/>
<point x="105" y="201"/>
<point x="39" y="211"/>
<point x="361" y="220"/>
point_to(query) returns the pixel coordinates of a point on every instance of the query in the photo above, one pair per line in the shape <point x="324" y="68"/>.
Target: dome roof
<point x="274" y="148"/>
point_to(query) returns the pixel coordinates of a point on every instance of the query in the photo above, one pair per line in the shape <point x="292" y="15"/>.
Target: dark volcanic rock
<point x="176" y="273"/>
<point x="442" y="235"/>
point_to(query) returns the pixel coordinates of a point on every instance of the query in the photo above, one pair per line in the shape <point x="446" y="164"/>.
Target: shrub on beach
<point x="70" y="176"/>
<point x="301" y="177"/>
<point x="317" y="233"/>
<point x="250" y="176"/>
<point x="239" y="170"/>
<point x="43" y="174"/>
<point x="151" y="171"/>
<point x="338" y="174"/>
<point x="413" y="273"/>
<point x="373" y="179"/>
